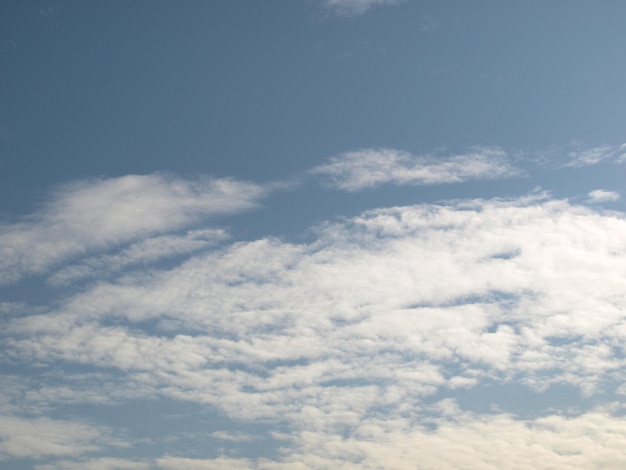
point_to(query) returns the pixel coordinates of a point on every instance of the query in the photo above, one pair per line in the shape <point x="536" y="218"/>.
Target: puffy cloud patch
<point x="600" y="195"/>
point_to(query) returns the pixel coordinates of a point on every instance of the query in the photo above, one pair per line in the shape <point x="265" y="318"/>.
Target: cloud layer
<point x="362" y="343"/>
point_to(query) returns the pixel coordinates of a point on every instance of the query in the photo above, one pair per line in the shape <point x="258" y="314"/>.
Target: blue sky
<point x="312" y="234"/>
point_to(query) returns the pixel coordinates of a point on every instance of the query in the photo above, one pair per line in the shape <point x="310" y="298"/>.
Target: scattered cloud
<point x="600" y="195"/>
<point x="581" y="156"/>
<point x="234" y="436"/>
<point x="349" y="339"/>
<point x="102" y="463"/>
<point x="495" y="441"/>
<point x="99" y="214"/>
<point x="356" y="347"/>
<point x="368" y="168"/>
<point x="184" y="463"/>
<point x="460" y="440"/>
<point x="41" y="437"/>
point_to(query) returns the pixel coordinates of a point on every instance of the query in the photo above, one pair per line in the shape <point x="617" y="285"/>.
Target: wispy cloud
<point x="368" y="168"/>
<point x="101" y="463"/>
<point x="40" y="437"/>
<point x="142" y="252"/>
<point x="99" y="214"/>
<point x="356" y="7"/>
<point x="581" y="156"/>
<point x="601" y="195"/>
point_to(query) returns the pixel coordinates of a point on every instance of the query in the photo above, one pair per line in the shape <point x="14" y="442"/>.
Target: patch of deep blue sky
<point x="265" y="90"/>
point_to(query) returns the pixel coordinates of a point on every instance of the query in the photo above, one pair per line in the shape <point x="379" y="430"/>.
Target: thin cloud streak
<point x="582" y="157"/>
<point x="140" y="253"/>
<point x="100" y="214"/>
<point x="369" y="168"/>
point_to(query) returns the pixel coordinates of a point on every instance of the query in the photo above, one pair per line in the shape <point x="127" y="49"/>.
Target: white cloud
<point x="356" y="7"/>
<point x="581" y="156"/>
<point x="234" y="436"/>
<point x="354" y="171"/>
<point x="591" y="441"/>
<point x="600" y="195"/>
<point x="39" y="437"/>
<point x="102" y="463"/>
<point x="99" y="214"/>
<point x="346" y="339"/>
<point x="221" y="463"/>
<point x="141" y="252"/>
<point x="484" y="283"/>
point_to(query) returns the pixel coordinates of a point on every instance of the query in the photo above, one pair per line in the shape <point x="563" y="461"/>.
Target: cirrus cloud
<point x="369" y="168"/>
<point x="99" y="214"/>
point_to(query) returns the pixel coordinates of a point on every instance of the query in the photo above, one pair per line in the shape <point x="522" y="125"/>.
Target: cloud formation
<point x="39" y="437"/>
<point x="355" y="341"/>
<point x="100" y="214"/>
<point x="601" y="195"/>
<point x="141" y="252"/>
<point x="369" y="168"/>
<point x="581" y="156"/>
